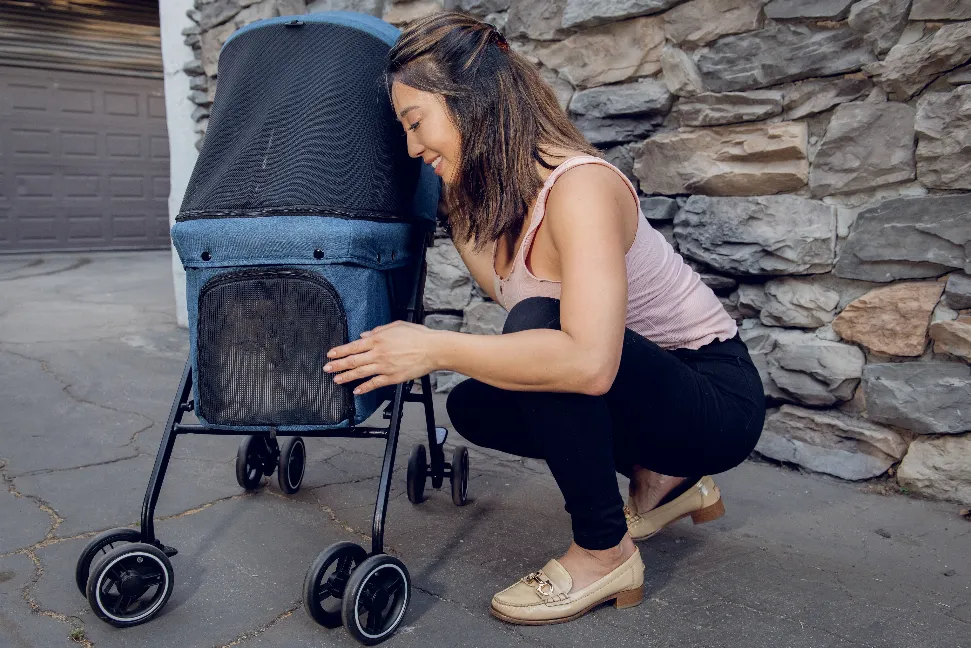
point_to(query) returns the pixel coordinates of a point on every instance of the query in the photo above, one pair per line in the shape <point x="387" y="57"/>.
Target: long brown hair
<point x="507" y="117"/>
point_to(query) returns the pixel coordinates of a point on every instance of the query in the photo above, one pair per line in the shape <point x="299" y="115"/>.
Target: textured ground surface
<point x="90" y="358"/>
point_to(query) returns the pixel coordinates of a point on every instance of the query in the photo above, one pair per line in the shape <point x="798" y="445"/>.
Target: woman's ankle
<point x="647" y="488"/>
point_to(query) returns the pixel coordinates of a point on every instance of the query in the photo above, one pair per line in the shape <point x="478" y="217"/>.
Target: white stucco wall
<point x="178" y="116"/>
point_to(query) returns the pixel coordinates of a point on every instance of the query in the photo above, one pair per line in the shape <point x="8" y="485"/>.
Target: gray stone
<point x="482" y="8"/>
<point x="957" y="291"/>
<point x="448" y="284"/>
<point x="623" y="158"/>
<point x="642" y="97"/>
<point x="926" y="397"/>
<point x="719" y="109"/>
<point x="561" y="87"/>
<point x="740" y="160"/>
<point x="830" y="443"/>
<point x="798" y="302"/>
<point x="908" y="238"/>
<point x="200" y="113"/>
<point x="780" y="53"/>
<point x="193" y="67"/>
<point x="942" y="313"/>
<point x="772" y="235"/>
<point x="819" y="95"/>
<point x="618" y="130"/>
<point x="659" y="208"/>
<point x="941" y="10"/>
<point x="444" y="381"/>
<point x="866" y="146"/>
<point x="537" y="20"/>
<point x="442" y="322"/>
<point x="200" y="82"/>
<point x="680" y="72"/>
<point x="938" y="467"/>
<point x="612" y="53"/>
<point x="881" y="22"/>
<point x="750" y="298"/>
<point x="798" y="366"/>
<point x="943" y="132"/>
<point x="808" y="9"/>
<point x="960" y="76"/>
<point x="910" y="68"/>
<point x="699" y="22"/>
<point x="484" y="318"/>
<point x="583" y="13"/>
<point x="199" y="98"/>
<point x="217" y="13"/>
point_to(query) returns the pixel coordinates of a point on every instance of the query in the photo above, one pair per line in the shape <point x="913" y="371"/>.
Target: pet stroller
<point x="305" y="222"/>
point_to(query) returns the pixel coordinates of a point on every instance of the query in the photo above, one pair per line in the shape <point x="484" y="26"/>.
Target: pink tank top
<point x="667" y="302"/>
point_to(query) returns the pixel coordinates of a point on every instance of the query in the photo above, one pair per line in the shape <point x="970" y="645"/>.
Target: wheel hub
<point x="131" y="584"/>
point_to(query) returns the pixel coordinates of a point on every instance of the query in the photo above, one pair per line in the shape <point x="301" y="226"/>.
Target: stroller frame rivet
<point x="205" y="256"/>
<point x="318" y="254"/>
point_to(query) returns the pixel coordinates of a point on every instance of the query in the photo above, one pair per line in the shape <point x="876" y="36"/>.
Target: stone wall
<point x="811" y="160"/>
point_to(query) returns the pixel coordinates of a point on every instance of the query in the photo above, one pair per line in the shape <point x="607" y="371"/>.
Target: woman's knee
<point x="533" y="313"/>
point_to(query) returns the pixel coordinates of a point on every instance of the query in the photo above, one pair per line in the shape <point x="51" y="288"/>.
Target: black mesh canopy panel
<point x="263" y="339"/>
<point x="302" y="125"/>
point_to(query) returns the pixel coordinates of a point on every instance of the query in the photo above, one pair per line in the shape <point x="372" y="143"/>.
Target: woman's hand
<point x="392" y="354"/>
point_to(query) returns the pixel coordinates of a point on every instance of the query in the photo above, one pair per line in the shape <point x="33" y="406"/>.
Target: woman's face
<point x="431" y="135"/>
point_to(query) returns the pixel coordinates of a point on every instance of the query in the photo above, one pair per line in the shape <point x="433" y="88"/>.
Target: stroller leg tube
<point x="179" y="407"/>
<point x="435" y="448"/>
<point x="384" y="487"/>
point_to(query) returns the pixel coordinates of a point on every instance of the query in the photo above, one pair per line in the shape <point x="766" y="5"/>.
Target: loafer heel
<point x="629" y="598"/>
<point x="709" y="513"/>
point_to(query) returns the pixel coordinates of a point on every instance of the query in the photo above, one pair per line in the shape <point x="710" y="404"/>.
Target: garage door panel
<point x="84" y="161"/>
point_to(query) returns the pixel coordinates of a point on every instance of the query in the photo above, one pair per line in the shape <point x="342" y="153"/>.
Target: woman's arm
<point x="588" y="228"/>
<point x="586" y="220"/>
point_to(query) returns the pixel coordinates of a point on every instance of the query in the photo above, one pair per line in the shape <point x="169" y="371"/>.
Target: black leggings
<point x="678" y="412"/>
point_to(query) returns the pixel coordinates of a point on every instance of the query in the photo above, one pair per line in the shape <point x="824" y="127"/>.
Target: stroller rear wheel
<point x="130" y="584"/>
<point x="324" y="585"/>
<point x="256" y="457"/>
<point x="292" y="465"/>
<point x="417" y="474"/>
<point x="100" y="545"/>
<point x="376" y="599"/>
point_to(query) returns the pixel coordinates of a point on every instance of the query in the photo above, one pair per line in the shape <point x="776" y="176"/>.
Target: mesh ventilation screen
<point x="262" y="345"/>
<point x="302" y="124"/>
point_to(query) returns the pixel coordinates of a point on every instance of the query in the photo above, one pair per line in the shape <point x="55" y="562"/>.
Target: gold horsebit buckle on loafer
<point x="544" y="587"/>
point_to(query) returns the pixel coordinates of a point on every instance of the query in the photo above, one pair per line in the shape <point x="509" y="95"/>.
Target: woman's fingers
<point x="378" y="381"/>
<point x="357" y="346"/>
<point x="356" y="374"/>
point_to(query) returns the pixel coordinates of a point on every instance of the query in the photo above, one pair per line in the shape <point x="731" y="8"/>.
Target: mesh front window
<point x="263" y="339"/>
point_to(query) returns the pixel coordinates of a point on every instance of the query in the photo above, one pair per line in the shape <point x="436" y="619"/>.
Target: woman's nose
<point x="414" y="148"/>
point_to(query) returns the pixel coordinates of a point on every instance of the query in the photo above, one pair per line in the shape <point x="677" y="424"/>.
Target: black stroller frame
<point x="379" y="596"/>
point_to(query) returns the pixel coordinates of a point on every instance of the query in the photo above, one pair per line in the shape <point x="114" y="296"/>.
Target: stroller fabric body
<point x="302" y="224"/>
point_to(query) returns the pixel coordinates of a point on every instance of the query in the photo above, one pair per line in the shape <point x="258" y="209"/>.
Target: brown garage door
<point x="83" y="161"/>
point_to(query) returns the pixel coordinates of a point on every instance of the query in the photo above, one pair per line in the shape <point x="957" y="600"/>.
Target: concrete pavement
<point x="90" y="358"/>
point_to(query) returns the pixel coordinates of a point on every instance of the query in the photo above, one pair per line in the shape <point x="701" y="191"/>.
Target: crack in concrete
<point x="30" y="552"/>
<point x="49" y="471"/>
<point x="80" y="263"/>
<point x="251" y="634"/>
<point x="45" y="368"/>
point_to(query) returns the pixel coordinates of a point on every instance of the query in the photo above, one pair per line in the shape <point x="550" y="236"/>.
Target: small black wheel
<point x="98" y="546"/>
<point x="460" y="475"/>
<point x="292" y="465"/>
<point x="417" y="472"/>
<point x="323" y="587"/>
<point x="130" y="584"/>
<point x="254" y="458"/>
<point x="376" y="599"/>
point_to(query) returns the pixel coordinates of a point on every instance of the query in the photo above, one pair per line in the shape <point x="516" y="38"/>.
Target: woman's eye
<point x="415" y="125"/>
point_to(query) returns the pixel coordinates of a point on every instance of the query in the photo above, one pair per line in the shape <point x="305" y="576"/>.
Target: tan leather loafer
<point x="546" y="596"/>
<point x="703" y="502"/>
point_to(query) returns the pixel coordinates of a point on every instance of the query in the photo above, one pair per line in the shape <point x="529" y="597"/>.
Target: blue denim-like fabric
<point x="357" y="258"/>
<point x="363" y="22"/>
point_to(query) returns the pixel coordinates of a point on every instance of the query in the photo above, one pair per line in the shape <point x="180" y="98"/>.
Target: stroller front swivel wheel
<point x="256" y="457"/>
<point x="324" y="585"/>
<point x="460" y="475"/>
<point x="376" y="599"/>
<point x="292" y="465"/>
<point x="417" y="474"/>
<point x="130" y="584"/>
